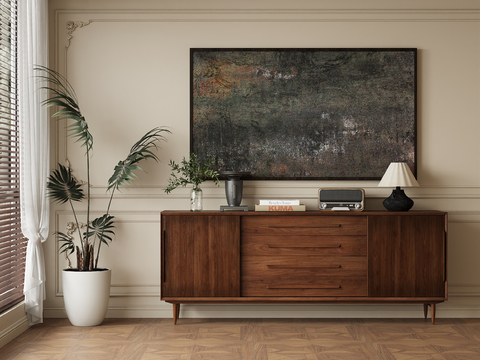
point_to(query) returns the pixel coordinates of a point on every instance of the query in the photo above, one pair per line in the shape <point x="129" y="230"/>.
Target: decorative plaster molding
<point x="283" y="15"/>
<point x="183" y="194"/>
<point x="144" y="291"/>
<point x="464" y="290"/>
<point x="72" y="26"/>
<point x="118" y="290"/>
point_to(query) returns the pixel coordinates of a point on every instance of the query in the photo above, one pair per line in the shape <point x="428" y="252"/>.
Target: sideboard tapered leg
<point x="425" y="310"/>
<point x="433" y="306"/>
<point x="176" y="312"/>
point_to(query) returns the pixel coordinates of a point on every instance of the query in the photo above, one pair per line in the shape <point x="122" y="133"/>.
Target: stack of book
<point x="279" y="205"/>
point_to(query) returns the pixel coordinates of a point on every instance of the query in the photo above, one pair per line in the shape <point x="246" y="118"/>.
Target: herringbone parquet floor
<point x="251" y="339"/>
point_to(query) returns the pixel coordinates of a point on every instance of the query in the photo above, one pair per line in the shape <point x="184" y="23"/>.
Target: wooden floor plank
<point x="250" y="339"/>
<point x="345" y="350"/>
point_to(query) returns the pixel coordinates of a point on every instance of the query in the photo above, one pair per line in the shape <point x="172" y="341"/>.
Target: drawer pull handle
<point x="330" y="226"/>
<point x="303" y="267"/>
<point x="304" y="247"/>
<point x="306" y="287"/>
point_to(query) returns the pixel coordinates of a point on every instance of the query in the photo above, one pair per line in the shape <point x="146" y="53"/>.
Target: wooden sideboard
<point x="304" y="257"/>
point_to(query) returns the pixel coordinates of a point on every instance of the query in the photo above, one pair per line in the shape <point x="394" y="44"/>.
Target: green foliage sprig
<point x="192" y="172"/>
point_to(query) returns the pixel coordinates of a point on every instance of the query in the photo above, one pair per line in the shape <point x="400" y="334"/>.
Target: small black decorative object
<point x="234" y="191"/>
<point x="398" y="174"/>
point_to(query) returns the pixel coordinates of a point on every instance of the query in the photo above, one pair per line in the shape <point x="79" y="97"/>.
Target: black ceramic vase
<point x="398" y="201"/>
<point x="234" y="187"/>
<point x="234" y="192"/>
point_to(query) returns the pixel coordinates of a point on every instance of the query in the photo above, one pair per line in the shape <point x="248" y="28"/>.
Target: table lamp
<point x="398" y="174"/>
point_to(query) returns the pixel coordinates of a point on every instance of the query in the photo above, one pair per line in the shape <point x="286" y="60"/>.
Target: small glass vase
<point x="196" y="199"/>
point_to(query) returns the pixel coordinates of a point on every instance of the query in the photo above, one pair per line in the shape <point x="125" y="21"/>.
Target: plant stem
<point x="100" y="241"/>
<point x="76" y="221"/>
<point x="88" y="207"/>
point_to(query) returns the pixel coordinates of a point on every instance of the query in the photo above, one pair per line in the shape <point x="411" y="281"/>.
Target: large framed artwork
<point x="339" y="114"/>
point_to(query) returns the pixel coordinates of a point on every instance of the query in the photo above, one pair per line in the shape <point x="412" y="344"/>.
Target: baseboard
<point x="12" y="323"/>
<point x="450" y="309"/>
<point x="327" y="311"/>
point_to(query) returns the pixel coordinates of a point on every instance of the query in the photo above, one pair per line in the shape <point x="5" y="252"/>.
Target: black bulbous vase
<point x="398" y="201"/>
<point x="234" y="189"/>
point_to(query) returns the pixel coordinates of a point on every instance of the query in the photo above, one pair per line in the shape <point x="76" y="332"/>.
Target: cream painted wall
<point x="129" y="63"/>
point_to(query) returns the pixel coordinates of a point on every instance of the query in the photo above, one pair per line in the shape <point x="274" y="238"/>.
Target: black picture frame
<point x="304" y="114"/>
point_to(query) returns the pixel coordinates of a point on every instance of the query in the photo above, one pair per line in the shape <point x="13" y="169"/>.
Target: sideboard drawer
<point x="273" y="245"/>
<point x="305" y="286"/>
<point x="306" y="266"/>
<point x="304" y="225"/>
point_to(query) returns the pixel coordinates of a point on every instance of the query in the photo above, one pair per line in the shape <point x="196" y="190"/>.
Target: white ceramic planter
<point x="86" y="295"/>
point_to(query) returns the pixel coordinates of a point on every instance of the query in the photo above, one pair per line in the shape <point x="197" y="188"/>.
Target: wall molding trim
<point x="18" y="323"/>
<point x="72" y="26"/>
<point x="117" y="290"/>
<point x="284" y="15"/>
<point x="181" y="195"/>
<point x="464" y="290"/>
<point x="164" y="310"/>
<point x="140" y="291"/>
<point x="13" y="330"/>
<point x="81" y="31"/>
<point x="246" y="15"/>
<point x="304" y="190"/>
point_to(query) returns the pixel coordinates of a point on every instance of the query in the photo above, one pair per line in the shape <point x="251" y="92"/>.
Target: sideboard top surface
<point x="303" y="213"/>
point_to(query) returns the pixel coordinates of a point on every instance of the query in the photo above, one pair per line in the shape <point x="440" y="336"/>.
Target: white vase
<point x="86" y="295"/>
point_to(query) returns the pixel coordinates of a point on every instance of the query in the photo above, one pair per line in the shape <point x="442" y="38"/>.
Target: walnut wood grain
<point x="433" y="310"/>
<point x="304" y="213"/>
<point x="304" y="286"/>
<point x="406" y="256"/>
<point x="305" y="225"/>
<point x="311" y="257"/>
<point x="303" y="299"/>
<point x="305" y="266"/>
<point x="176" y="312"/>
<point x="202" y="256"/>
<point x="269" y="245"/>
<point x="433" y="307"/>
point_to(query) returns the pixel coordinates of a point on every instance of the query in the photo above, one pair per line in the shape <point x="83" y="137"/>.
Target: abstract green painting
<point x="304" y="113"/>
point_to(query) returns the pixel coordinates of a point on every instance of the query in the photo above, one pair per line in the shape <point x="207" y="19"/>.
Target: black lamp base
<point x="398" y="201"/>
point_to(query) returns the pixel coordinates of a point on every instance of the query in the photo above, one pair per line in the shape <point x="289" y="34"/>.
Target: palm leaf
<point x="123" y="173"/>
<point x="68" y="246"/>
<point x="102" y="228"/>
<point x="63" y="187"/>
<point x="62" y="95"/>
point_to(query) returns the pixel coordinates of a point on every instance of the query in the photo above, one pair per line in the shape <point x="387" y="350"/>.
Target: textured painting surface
<point x="304" y="113"/>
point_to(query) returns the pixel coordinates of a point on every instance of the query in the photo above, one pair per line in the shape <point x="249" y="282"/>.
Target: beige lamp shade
<point x="398" y="174"/>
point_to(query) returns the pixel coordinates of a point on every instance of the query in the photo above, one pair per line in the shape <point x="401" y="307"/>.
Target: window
<point x="12" y="243"/>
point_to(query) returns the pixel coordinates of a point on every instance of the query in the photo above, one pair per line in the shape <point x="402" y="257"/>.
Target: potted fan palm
<point x="86" y="287"/>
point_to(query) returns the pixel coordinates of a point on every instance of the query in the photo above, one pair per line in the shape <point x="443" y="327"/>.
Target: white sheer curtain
<point x="34" y="151"/>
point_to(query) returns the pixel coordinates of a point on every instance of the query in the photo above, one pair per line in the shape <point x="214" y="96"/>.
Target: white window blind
<point x="12" y="242"/>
